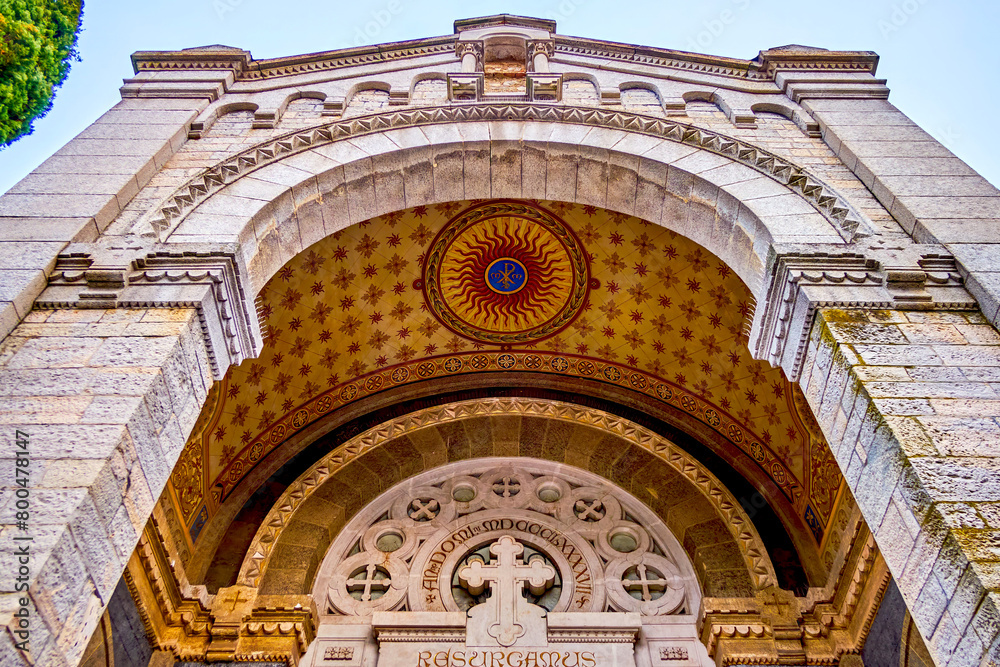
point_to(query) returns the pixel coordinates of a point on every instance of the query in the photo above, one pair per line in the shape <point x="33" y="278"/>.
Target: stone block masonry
<point x="107" y="398"/>
<point x="910" y="402"/>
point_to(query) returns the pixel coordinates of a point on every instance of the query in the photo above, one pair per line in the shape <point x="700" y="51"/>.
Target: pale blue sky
<point x="941" y="58"/>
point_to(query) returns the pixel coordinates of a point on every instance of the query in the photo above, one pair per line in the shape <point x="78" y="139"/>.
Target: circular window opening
<point x="549" y="493"/>
<point x="623" y="542"/>
<point x="389" y="542"/>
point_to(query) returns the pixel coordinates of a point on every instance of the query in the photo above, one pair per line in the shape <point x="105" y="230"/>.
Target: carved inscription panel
<point x="568" y="655"/>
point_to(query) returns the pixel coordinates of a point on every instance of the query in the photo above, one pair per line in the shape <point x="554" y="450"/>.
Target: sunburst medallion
<point x="505" y="273"/>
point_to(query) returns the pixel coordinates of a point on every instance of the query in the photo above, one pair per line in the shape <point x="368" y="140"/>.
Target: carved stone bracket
<point x="466" y="87"/>
<point x="236" y="624"/>
<point x="209" y="279"/>
<point x="912" y="277"/>
<point x="544" y="87"/>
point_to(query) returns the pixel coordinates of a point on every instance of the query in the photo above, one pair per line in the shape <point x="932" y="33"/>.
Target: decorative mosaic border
<point x="740" y="525"/>
<point x="546" y="362"/>
<point x="850" y="222"/>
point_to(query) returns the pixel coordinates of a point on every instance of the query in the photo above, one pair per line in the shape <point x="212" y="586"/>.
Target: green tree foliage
<point x="37" y="43"/>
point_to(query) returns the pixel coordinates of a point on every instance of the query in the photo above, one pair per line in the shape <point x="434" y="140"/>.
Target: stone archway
<point x="172" y="355"/>
<point x="663" y="336"/>
<point x="378" y="164"/>
<point x="683" y="482"/>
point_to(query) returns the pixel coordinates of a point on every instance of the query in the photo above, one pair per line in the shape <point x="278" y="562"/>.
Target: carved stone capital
<point x="463" y="48"/>
<point x="236" y="624"/>
<point x="133" y="275"/>
<point x="910" y="277"/>
<point x="280" y="626"/>
<point x="546" y="47"/>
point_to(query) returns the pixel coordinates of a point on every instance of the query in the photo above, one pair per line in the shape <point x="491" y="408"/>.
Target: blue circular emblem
<point x="506" y="275"/>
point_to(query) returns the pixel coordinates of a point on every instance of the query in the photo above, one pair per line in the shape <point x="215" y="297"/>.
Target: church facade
<point x="501" y="348"/>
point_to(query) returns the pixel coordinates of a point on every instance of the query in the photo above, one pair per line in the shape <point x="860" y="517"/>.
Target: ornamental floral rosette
<point x="506" y="273"/>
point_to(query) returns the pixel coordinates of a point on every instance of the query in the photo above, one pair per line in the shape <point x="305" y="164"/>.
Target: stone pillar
<point x="471" y="54"/>
<point x="910" y="406"/>
<point x="539" y="51"/>
<point x="935" y="196"/>
<point x="98" y="405"/>
<point x="75" y="194"/>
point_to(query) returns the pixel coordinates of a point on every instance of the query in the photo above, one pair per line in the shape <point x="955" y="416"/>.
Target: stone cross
<point x="506" y="578"/>
<point x="371" y="582"/>
<point x="645" y="584"/>
<point x="236" y="599"/>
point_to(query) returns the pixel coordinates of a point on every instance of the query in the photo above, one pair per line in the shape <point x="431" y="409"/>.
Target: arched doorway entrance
<point x="169" y="288"/>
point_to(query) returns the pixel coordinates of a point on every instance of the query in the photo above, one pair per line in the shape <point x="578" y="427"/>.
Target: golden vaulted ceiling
<point x="491" y="286"/>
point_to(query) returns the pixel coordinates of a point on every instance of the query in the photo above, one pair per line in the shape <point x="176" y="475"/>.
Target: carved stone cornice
<point x="910" y="277"/>
<point x="205" y="58"/>
<point x="850" y="222"/>
<point x="562" y="627"/>
<point x="343" y="58"/>
<point x="247" y="69"/>
<point x="667" y="58"/>
<point x="762" y="68"/>
<point x="279" y="626"/>
<point x="816" y="60"/>
<point x="500" y="20"/>
<point x="615" y="636"/>
<point x="210" y="279"/>
<point x="778" y="628"/>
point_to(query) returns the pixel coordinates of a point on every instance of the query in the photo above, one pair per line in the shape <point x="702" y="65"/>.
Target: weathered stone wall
<point x="908" y="401"/>
<point x="76" y="193"/>
<point x="107" y="398"/>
